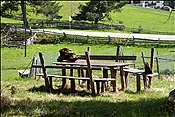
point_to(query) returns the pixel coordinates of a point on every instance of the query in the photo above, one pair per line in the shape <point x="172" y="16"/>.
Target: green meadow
<point x="27" y="96"/>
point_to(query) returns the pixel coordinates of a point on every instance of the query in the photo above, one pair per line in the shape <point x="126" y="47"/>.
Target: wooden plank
<point x="109" y="57"/>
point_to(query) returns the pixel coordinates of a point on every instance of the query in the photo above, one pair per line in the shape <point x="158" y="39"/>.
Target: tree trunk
<point x="23" y="9"/>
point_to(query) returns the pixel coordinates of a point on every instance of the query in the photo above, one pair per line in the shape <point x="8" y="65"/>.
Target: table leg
<point x="88" y="81"/>
<point x="113" y="75"/>
<point x="79" y="75"/>
<point x="149" y="82"/>
<point x="145" y="82"/>
<point x="63" y="80"/>
<point x="72" y="80"/>
<point x="126" y="80"/>
<point x="122" y="79"/>
<point x="105" y="75"/>
<point x="138" y="82"/>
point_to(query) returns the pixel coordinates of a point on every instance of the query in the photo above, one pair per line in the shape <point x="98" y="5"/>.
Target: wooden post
<point x="123" y="85"/>
<point x="133" y="40"/>
<point x="63" y="80"/>
<point x="88" y="49"/>
<point x="109" y="39"/>
<point x="75" y="37"/>
<point x="87" y="38"/>
<point x="44" y="71"/>
<point x="143" y="57"/>
<point x="151" y="66"/>
<point x="64" y="35"/>
<point x="152" y="59"/>
<point x="105" y="75"/>
<point x="90" y="72"/>
<point x="15" y="28"/>
<point x="138" y="82"/>
<point x="158" y="71"/>
<point x="157" y="61"/>
<point x="72" y="80"/>
<point x="117" y="53"/>
<point x="159" y="41"/>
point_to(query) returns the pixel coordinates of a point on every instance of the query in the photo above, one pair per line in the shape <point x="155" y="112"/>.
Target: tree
<point x="170" y="3"/>
<point x="95" y="11"/>
<point x="8" y="8"/>
<point x="50" y="10"/>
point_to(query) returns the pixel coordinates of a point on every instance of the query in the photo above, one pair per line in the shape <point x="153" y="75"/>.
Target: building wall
<point x="148" y="3"/>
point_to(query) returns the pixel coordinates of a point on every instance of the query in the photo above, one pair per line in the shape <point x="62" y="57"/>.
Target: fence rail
<point x="88" y="38"/>
<point x="86" y="26"/>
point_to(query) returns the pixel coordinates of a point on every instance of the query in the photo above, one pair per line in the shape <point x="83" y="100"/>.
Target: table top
<point x="94" y="63"/>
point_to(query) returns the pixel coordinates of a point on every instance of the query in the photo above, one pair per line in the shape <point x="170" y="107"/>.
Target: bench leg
<point x="122" y="79"/>
<point x="113" y="75"/>
<point x="102" y="86"/>
<point x="51" y="86"/>
<point x="72" y="84"/>
<point x="138" y="82"/>
<point x="79" y="74"/>
<point x="126" y="79"/>
<point x="105" y="75"/>
<point x="98" y="87"/>
<point x="92" y="87"/>
<point x="72" y="80"/>
<point x="82" y="75"/>
<point x="88" y="81"/>
<point x="145" y="82"/>
<point x="149" y="82"/>
<point x="63" y="80"/>
<point x="47" y="84"/>
<point x="88" y="84"/>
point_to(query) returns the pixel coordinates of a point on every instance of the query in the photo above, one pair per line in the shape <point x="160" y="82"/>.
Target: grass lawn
<point x="27" y="96"/>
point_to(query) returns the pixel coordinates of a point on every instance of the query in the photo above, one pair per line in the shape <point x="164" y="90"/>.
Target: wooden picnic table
<point x="101" y="64"/>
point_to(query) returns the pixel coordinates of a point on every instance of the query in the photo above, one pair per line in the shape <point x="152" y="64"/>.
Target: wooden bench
<point x="139" y="73"/>
<point x="115" y="58"/>
<point x="90" y="79"/>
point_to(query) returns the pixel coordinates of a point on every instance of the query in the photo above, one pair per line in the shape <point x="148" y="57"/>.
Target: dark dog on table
<point x="67" y="54"/>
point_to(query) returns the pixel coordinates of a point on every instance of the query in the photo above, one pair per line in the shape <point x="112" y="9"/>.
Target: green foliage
<point x="50" y="10"/>
<point x="95" y="11"/>
<point x="8" y="8"/>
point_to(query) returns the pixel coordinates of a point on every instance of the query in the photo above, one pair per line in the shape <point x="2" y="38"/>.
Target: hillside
<point x="131" y="16"/>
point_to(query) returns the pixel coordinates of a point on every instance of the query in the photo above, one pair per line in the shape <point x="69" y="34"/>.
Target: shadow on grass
<point x="86" y="108"/>
<point x="65" y="91"/>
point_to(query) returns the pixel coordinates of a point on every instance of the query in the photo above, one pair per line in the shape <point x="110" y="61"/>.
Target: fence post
<point x="87" y="38"/>
<point x="117" y="53"/>
<point x="64" y="35"/>
<point x="158" y="70"/>
<point x="133" y="40"/>
<point x="143" y="57"/>
<point x="30" y="30"/>
<point x="75" y="37"/>
<point x="152" y="59"/>
<point x="109" y="39"/>
<point x="15" y="28"/>
<point x="157" y="60"/>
